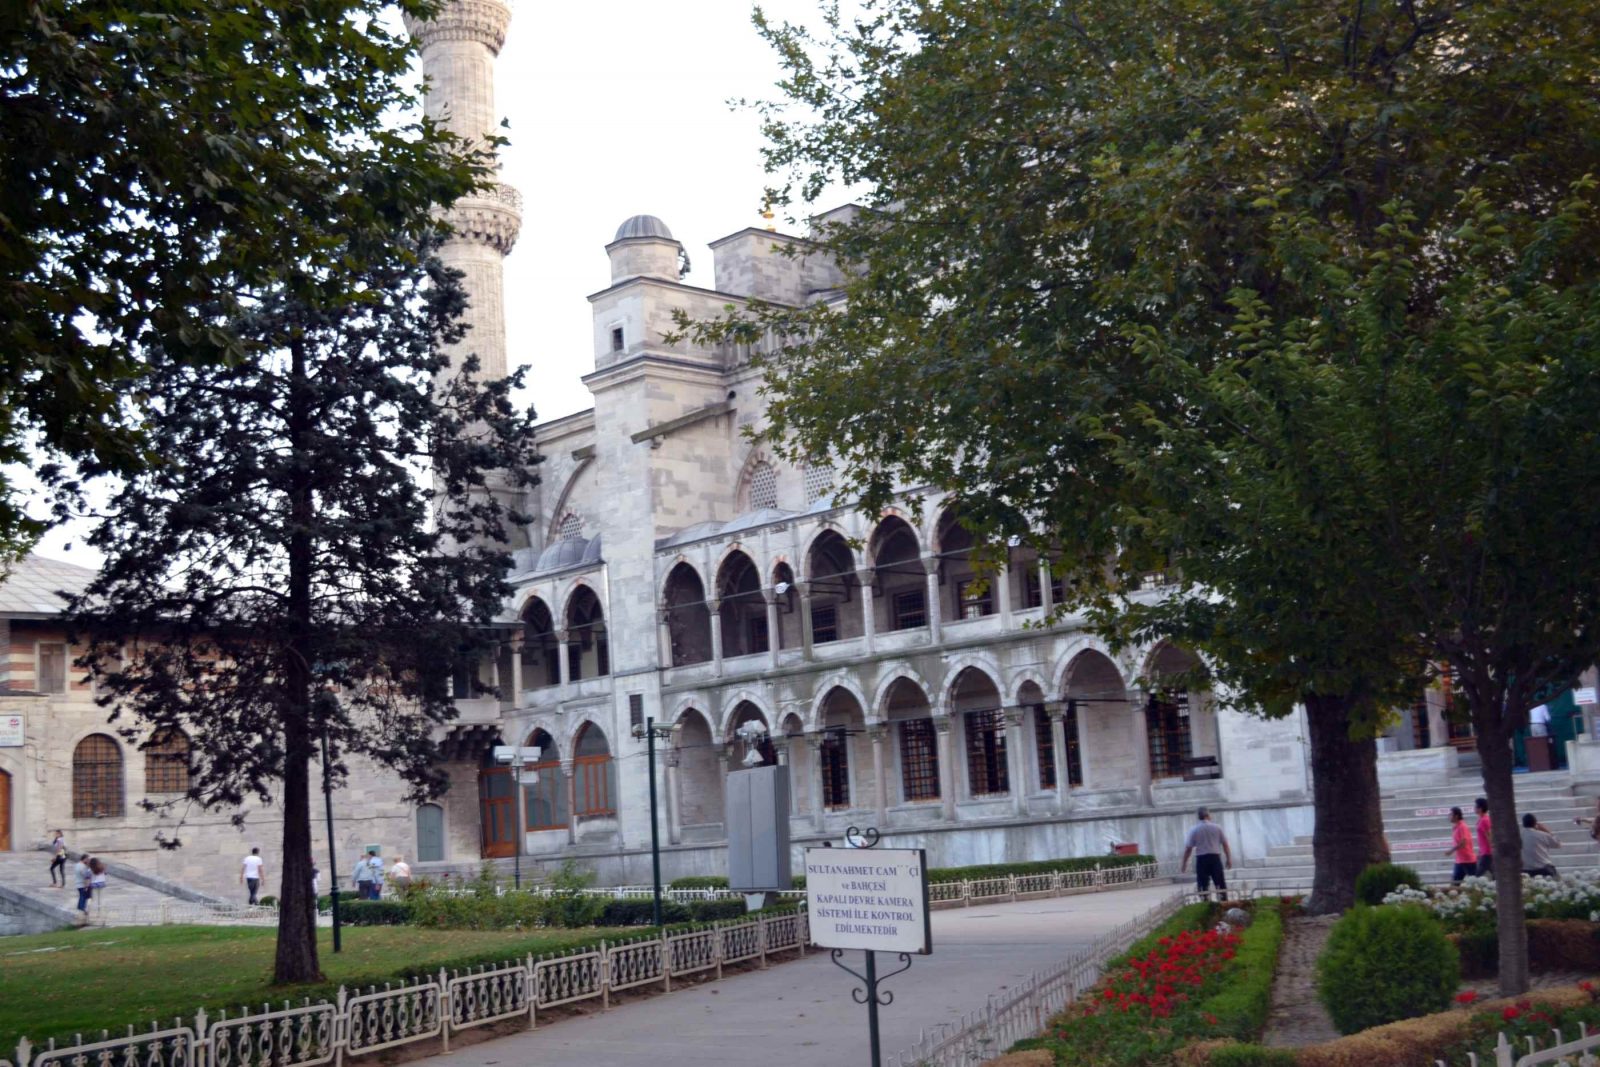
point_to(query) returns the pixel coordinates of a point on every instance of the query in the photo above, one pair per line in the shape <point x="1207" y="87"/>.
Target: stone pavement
<point x="800" y="1014"/>
<point x="1298" y="1017"/>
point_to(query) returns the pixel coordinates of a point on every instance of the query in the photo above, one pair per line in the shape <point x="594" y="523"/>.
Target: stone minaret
<point x="458" y="53"/>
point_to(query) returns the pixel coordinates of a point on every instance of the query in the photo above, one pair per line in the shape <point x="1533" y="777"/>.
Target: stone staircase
<point x="1417" y="823"/>
<point x="28" y="904"/>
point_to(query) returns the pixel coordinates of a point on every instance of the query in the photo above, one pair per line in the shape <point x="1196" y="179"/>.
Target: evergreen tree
<point x="326" y="516"/>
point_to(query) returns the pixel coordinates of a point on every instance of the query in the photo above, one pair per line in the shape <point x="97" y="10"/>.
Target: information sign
<point x="873" y="899"/>
<point x="13" y="729"/>
<point x="1584" y="696"/>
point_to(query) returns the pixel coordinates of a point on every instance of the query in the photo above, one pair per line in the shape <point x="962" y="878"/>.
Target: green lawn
<point x="54" y="985"/>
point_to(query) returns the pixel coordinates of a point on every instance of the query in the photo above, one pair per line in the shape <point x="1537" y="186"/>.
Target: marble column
<point x="564" y="659"/>
<point x="814" y="765"/>
<point x="868" y="609"/>
<point x="572" y="801"/>
<point x="935" y="629"/>
<point x="1141" y="743"/>
<point x="877" y="733"/>
<point x="805" y="619"/>
<point x="1057" y="710"/>
<point x="673" y="800"/>
<point x="716" y="635"/>
<point x="947" y="767"/>
<point x="1046" y="595"/>
<point x="1002" y="591"/>
<point x="516" y="671"/>
<point x="1015" y="774"/>
<point x="664" y="637"/>
<point x="774" y="634"/>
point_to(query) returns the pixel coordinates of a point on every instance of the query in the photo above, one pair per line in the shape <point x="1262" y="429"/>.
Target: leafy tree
<point x="325" y="517"/>
<point x="159" y="163"/>
<point x="1080" y="222"/>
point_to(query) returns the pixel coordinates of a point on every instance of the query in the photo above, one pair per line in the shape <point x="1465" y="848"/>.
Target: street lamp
<point x="518" y="758"/>
<point x="327" y="803"/>
<point x="650" y="731"/>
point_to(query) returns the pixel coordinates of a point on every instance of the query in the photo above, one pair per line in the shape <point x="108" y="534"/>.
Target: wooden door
<point x="5" y="812"/>
<point x="497" y="810"/>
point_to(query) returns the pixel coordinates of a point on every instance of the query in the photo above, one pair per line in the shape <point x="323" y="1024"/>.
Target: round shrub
<point x="1381" y="879"/>
<point x="268" y="902"/>
<point x="1384" y="964"/>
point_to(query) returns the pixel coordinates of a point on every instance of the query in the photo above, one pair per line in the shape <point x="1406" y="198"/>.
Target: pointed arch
<point x="544" y="800"/>
<point x="687" y="616"/>
<point x="588" y="643"/>
<point x="97" y="784"/>
<point x="594" y="785"/>
<point x="843" y="680"/>
<point x="741" y="605"/>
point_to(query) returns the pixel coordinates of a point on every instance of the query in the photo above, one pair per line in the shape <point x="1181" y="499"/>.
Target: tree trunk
<point x="297" y="928"/>
<point x="1349" y="816"/>
<point x="297" y="909"/>
<point x="1494" y="749"/>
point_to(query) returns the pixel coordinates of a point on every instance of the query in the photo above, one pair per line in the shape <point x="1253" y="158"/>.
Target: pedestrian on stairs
<point x="1461" y="847"/>
<point x="83" y="878"/>
<point x="1485" y="845"/>
<point x="58" y="861"/>
<point x="1537" y="841"/>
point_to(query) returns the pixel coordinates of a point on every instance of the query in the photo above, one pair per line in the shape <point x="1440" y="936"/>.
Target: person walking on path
<point x="1212" y="856"/>
<point x="368" y="875"/>
<point x="1461" y="847"/>
<point x="1485" y="845"/>
<point x="83" y="878"/>
<point x="1537" y="841"/>
<point x="58" y="861"/>
<point x="251" y="873"/>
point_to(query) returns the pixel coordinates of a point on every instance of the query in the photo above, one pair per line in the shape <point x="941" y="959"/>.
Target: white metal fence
<point x="1579" y="1050"/>
<point x="366" y="1021"/>
<point x="1023" y="1011"/>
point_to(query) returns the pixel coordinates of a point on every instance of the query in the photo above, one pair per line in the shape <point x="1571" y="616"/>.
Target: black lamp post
<point x="650" y="731"/>
<point x="327" y="801"/>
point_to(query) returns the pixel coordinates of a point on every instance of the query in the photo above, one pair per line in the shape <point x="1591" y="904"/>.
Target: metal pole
<point x="655" y="832"/>
<point x="333" y="859"/>
<point x="516" y="862"/>
<point x="872" y="1006"/>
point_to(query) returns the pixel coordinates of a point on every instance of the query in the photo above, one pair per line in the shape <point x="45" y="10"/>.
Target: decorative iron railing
<point x="365" y="1021"/>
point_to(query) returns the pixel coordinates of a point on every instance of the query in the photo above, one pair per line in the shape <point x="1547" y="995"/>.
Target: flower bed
<point x="1186" y="982"/>
<point x="1470" y="905"/>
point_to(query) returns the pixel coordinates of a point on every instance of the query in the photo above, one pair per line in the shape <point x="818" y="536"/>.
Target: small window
<point x="570" y="528"/>
<point x="1034" y="589"/>
<point x="824" y="624"/>
<point x="919" y="760"/>
<point x="166" y="762"/>
<point x="52" y="668"/>
<point x="835" y="769"/>
<point x="973" y="603"/>
<point x="463" y="683"/>
<point x="987" y="773"/>
<point x="764" y="486"/>
<point x="910" y="609"/>
<point x="96" y="778"/>
<point x="617" y="344"/>
<point x="817" y="475"/>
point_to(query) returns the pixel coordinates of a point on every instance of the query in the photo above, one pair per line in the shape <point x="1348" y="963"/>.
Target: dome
<point x="643" y="226"/>
<point x="573" y="552"/>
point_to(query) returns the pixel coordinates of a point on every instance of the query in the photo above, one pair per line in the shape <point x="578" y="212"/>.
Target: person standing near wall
<point x="251" y="873"/>
<point x="83" y="878"/>
<point x="1209" y="845"/>
<point x="400" y="875"/>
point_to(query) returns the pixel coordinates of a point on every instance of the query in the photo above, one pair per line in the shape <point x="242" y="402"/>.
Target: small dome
<point x="573" y="552"/>
<point x="643" y="226"/>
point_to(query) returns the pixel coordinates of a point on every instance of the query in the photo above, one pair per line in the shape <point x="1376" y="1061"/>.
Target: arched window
<point x="430" y="834"/>
<point x="763" y="486"/>
<point x="570" y="528"/>
<point x="688" y="618"/>
<point x="588" y="653"/>
<point x="817" y="475"/>
<point x="545" y="800"/>
<point x="743" y="611"/>
<point x="594" y="786"/>
<point x="166" y="762"/>
<point x="96" y="778"/>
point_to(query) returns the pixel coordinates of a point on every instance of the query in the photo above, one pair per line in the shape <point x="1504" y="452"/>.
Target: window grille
<point x="594" y="786"/>
<point x="545" y="801"/>
<point x="973" y="604"/>
<point x="911" y="609"/>
<point x="824" y="624"/>
<point x="570" y="528"/>
<point x="764" y="486"/>
<point x="919" y="759"/>
<point x="166" y="762"/>
<point x="52" y="668"/>
<point x="1421" y="734"/>
<point x="1167" y="724"/>
<point x="818" y="478"/>
<point x="756" y="634"/>
<point x="1044" y="738"/>
<point x="986" y="752"/>
<point x="835" y="769"/>
<point x="96" y="778"/>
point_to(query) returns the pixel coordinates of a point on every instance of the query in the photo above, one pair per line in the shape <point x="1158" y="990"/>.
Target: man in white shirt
<point x="1211" y="853"/>
<point x="251" y="873"/>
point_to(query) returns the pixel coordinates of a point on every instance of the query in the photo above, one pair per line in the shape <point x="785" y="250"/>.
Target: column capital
<point x="942" y="723"/>
<point x="483" y="21"/>
<point x="1055" y="709"/>
<point x="1013" y="716"/>
<point x="815" y="740"/>
<point x="714" y="605"/>
<point x="877" y="731"/>
<point x="930" y="564"/>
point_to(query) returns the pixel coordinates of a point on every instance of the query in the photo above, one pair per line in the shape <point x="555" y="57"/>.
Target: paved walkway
<point x="799" y="1014"/>
<point x="1298" y="1017"/>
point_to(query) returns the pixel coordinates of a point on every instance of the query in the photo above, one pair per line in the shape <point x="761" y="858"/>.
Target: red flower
<point x="1468" y="997"/>
<point x="1510" y="1013"/>
<point x="1211" y="1020"/>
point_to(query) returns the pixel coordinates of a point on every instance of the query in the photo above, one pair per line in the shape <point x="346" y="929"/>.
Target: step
<point x="1437" y="869"/>
<point x="126" y="899"/>
<point x="1473" y="783"/>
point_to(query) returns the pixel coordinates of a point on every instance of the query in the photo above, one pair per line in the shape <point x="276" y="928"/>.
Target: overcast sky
<point x="621" y="109"/>
<point x="616" y="109"/>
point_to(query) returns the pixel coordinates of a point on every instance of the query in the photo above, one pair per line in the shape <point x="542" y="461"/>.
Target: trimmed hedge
<point x="1381" y="879"/>
<point x="373" y="913"/>
<point x="1553" y="945"/>
<point x="642" y="912"/>
<point x="1384" y="964"/>
<point x="1241" y="1008"/>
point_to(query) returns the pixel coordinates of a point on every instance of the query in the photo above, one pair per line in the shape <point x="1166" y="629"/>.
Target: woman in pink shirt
<point x="1461" y="847"/>
<point x="1485" y="841"/>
